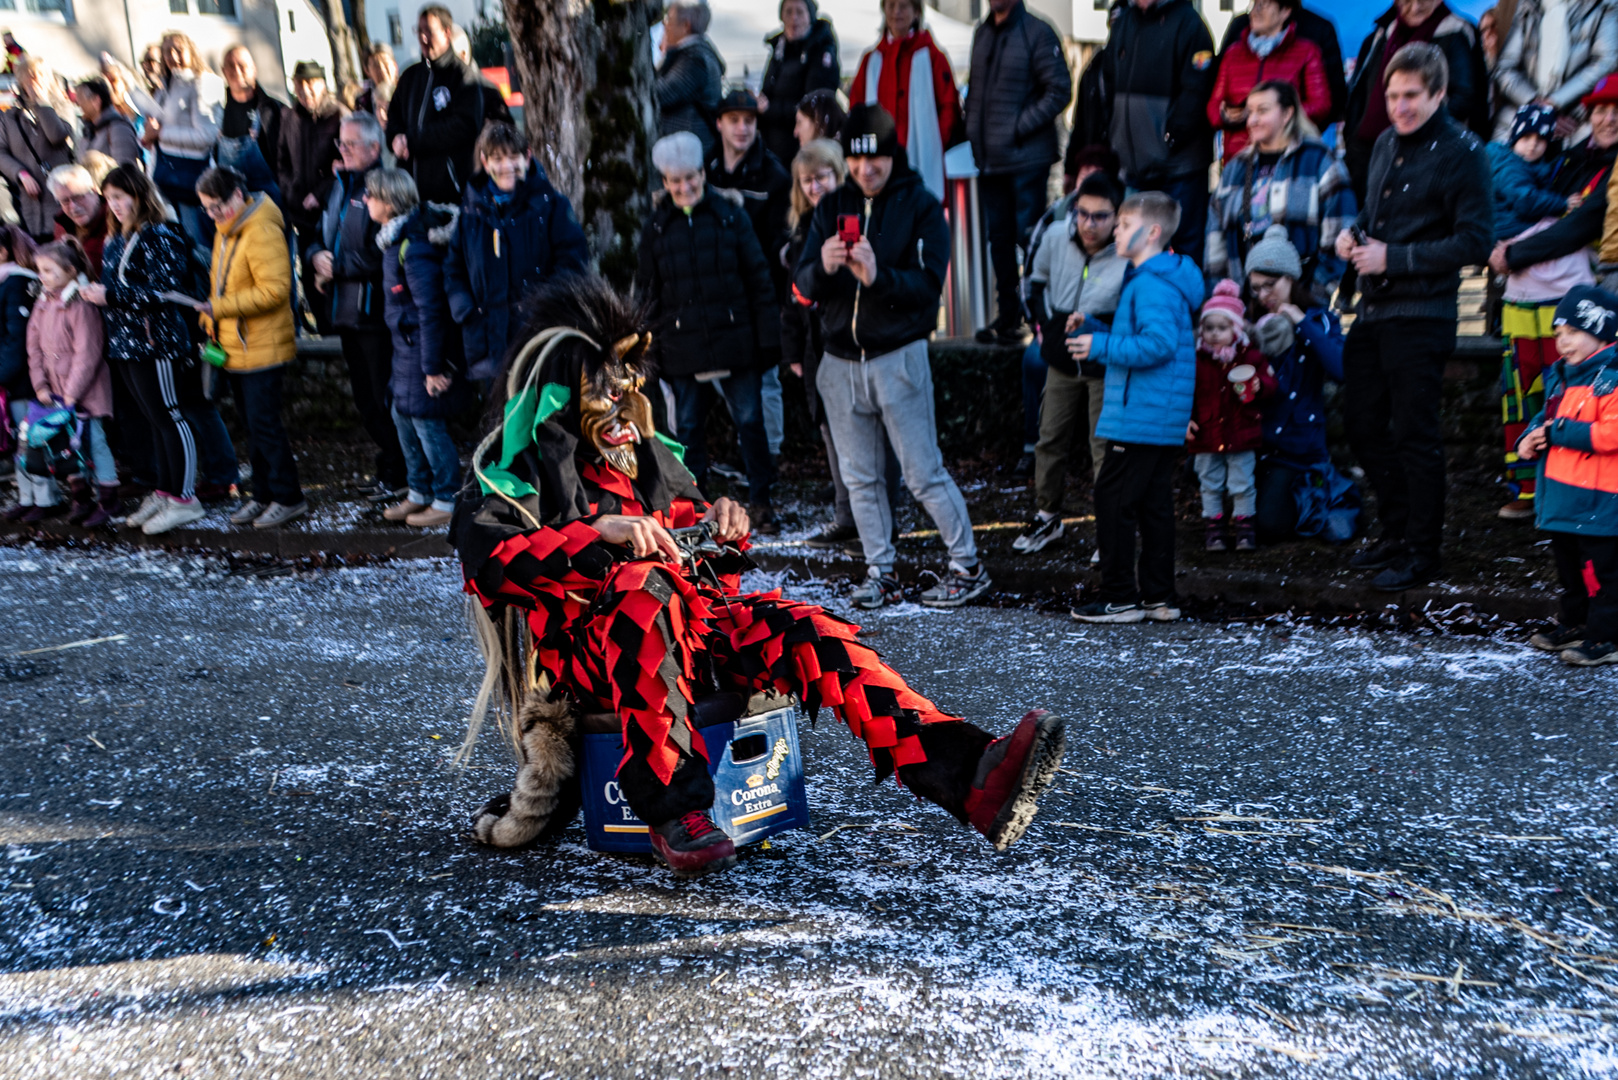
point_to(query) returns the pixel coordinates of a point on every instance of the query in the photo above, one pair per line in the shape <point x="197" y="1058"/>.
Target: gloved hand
<point x="1274" y="335"/>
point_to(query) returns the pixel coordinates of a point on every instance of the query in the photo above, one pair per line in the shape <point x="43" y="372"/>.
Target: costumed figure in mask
<point x="586" y="604"/>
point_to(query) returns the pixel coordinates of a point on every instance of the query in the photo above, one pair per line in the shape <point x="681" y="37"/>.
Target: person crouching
<point x="1575" y="439"/>
<point x="426" y="382"/>
<point x="1226" y="431"/>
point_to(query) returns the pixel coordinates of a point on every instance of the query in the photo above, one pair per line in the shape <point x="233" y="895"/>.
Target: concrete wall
<point x="279" y="33"/>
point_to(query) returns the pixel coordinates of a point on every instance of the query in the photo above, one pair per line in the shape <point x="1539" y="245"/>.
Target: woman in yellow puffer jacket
<point x="249" y="312"/>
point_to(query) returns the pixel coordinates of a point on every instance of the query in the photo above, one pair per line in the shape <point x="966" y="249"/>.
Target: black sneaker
<point x="1406" y="572"/>
<point x="1039" y="533"/>
<point x="1592" y="654"/>
<point x="382" y="493"/>
<point x="1103" y="612"/>
<point x="761" y="516"/>
<point x="1379" y="556"/>
<point x="1024" y="467"/>
<point x="876" y="591"/>
<point x="834" y="536"/>
<point x="692" y="846"/>
<point x="1558" y="638"/>
<point x="995" y="334"/>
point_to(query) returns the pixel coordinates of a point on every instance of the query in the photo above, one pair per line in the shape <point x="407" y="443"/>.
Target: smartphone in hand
<point x="848" y="228"/>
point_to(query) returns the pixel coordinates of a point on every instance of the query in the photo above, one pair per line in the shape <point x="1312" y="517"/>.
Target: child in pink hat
<point x="1225" y="429"/>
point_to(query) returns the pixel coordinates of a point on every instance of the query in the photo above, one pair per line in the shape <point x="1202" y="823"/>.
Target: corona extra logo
<point x="742" y="798"/>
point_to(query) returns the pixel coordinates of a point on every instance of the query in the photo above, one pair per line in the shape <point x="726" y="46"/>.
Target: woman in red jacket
<point x="1270" y="48"/>
<point x="910" y="76"/>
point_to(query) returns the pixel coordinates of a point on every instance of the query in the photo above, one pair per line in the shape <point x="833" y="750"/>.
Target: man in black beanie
<point x="874" y="260"/>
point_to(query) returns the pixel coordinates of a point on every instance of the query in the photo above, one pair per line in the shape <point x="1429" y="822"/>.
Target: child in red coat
<point x="1224" y="433"/>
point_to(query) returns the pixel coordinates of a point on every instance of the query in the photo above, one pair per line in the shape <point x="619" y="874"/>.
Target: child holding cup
<point x="1226" y="431"/>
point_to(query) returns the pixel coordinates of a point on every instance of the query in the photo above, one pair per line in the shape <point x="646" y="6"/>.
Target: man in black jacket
<point x="874" y="260"/>
<point x="689" y="77"/>
<point x="1429" y="214"/>
<point x="250" y="113"/>
<point x="1157" y="75"/>
<point x="1409" y="22"/>
<point x="745" y="165"/>
<point x="348" y="269"/>
<point x="436" y="112"/>
<point x="1019" y="82"/>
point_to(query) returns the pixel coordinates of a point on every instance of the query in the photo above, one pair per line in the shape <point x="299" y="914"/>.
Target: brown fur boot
<point x="542" y="798"/>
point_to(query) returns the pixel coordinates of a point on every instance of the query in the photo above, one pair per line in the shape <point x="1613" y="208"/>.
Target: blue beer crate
<point x="757" y="769"/>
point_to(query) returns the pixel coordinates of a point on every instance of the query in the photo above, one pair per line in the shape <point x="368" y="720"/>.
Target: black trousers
<point x="1135" y="491"/>
<point x="1394" y="384"/>
<point x="369" y="356"/>
<point x="1598" y="614"/>
<point x="153" y="386"/>
<point x="1277" y="518"/>
<point x="1012" y="203"/>
<point x="275" y="472"/>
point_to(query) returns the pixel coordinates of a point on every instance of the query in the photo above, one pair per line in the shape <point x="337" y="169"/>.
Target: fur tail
<point x="519" y="817"/>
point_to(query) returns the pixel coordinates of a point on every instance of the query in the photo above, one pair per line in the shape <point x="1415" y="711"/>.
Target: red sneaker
<point x="1013" y="772"/>
<point x="692" y="846"/>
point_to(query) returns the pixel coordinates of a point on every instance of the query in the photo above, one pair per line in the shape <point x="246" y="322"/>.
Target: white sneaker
<point x="247" y="512"/>
<point x="173" y="515"/>
<point x="1161" y="611"/>
<point x="280" y="514"/>
<point x="147" y="510"/>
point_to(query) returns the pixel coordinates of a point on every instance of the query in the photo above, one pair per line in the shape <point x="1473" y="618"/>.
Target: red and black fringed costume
<point x="647" y="638"/>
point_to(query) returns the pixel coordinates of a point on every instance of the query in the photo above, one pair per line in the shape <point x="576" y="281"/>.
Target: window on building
<point x="179" y="7"/>
<point x="395" y="29"/>
<point x="227" y="8"/>
<point x="64" y="7"/>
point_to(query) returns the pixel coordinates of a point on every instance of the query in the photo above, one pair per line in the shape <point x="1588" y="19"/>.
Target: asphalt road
<point x="234" y="845"/>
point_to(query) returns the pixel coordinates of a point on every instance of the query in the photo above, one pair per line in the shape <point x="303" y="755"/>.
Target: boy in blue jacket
<point x="1150" y="356"/>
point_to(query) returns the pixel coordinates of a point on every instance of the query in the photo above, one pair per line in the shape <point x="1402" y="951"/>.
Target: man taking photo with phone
<point x="1427" y="214"/>
<point x="874" y="260"/>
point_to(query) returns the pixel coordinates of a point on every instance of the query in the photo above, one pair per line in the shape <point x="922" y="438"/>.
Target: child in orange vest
<point x="1575" y="438"/>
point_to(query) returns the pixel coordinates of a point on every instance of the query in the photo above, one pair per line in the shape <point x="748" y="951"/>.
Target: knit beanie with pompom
<point x="1226" y="300"/>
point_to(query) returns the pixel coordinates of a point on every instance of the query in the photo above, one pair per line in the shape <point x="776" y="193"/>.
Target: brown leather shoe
<point x="428" y="518"/>
<point x="402" y="511"/>
<point x="1517" y="510"/>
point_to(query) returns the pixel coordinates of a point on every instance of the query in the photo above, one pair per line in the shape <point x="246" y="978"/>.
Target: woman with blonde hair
<point x="36" y="137"/>
<point x="907" y="74"/>
<point x="190" y="105"/>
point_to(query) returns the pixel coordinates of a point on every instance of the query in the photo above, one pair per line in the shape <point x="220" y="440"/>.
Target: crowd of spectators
<point x="798" y="229"/>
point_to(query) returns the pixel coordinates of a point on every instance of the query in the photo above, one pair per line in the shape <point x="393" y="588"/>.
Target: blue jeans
<point x="275" y="472"/>
<point x="742" y="393"/>
<point x="98" y="453"/>
<point x="1191" y="192"/>
<point x="1033" y="389"/>
<point x="216" y="455"/>
<point x="775" y="426"/>
<point x="1012" y="203"/>
<point x="432" y="464"/>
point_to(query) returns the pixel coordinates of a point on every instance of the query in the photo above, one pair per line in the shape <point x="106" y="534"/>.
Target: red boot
<point x="691" y="846"/>
<point x="1012" y="774"/>
<point x="81" y="499"/>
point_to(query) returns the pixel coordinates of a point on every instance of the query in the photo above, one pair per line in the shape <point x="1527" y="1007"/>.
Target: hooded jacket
<point x="1295" y="60"/>
<point x="1020" y="82"/>
<point x="1467" y="95"/>
<point x="793" y="70"/>
<point x="1522" y="194"/>
<point x="499" y="252"/>
<point x="190" y="107"/>
<point x="1225" y="423"/>
<point x="347" y="231"/>
<point x="1592" y="51"/>
<point x="34" y="141"/>
<point x="1066" y="279"/>
<point x="707" y="284"/>
<point x="1151" y="354"/>
<point x="252" y="289"/>
<point x="1157" y="75"/>
<point x="688" y="88"/>
<point x="19" y="291"/>
<point x="1577" y="486"/>
<point x="425" y="340"/>
<point x="1430" y="198"/>
<point x="137" y="269"/>
<point x="438" y="108"/>
<point x="66" y="355"/>
<point x="305" y="159"/>
<point x="114" y="136"/>
<point x="907" y="231"/>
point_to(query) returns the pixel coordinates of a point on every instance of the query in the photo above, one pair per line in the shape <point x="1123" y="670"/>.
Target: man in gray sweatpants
<point x="874" y="261"/>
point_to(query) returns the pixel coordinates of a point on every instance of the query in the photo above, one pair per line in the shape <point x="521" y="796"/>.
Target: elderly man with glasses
<point x="347" y="269"/>
<point x="82" y="214"/>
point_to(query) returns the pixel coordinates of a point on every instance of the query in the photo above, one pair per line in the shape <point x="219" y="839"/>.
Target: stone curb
<point x="1247" y="588"/>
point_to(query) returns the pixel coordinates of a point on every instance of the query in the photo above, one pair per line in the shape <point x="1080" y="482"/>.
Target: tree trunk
<point x="587" y="74"/>
<point x="344" y="54"/>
